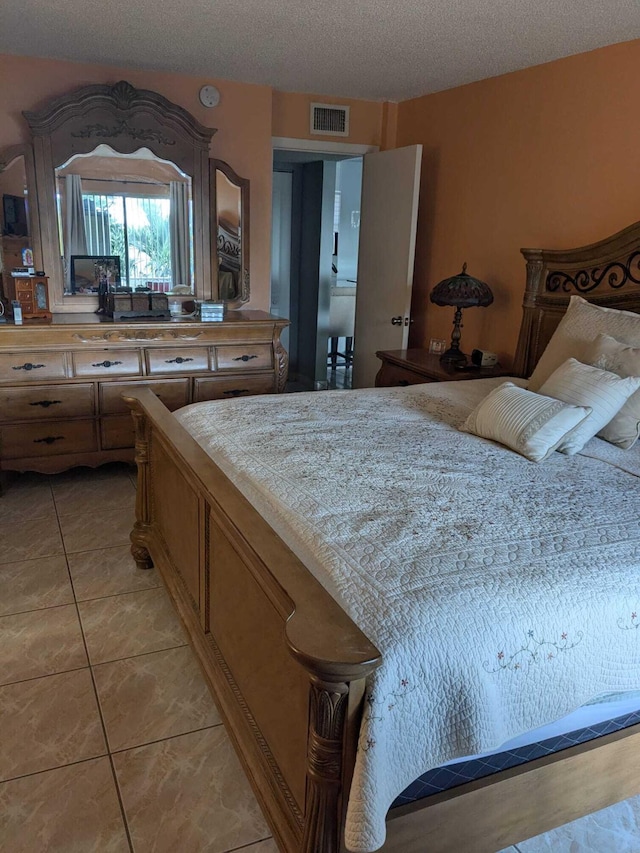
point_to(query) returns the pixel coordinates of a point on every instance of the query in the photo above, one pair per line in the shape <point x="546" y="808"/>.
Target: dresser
<point x="62" y="382"/>
<point x="414" y="366"/>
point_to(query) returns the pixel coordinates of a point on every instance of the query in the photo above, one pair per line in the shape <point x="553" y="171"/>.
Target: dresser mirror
<point x="133" y="209"/>
<point x="113" y="152"/>
<point x="19" y="210"/>
<point x="230" y="194"/>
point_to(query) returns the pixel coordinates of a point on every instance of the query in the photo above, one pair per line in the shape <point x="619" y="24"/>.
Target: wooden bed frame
<point x="287" y="666"/>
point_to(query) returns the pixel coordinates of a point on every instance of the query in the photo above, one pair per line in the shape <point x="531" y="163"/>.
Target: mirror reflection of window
<point x="228" y="248"/>
<point x="136" y="207"/>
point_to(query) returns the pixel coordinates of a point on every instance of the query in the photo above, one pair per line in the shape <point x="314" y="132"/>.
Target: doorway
<point x="314" y="252"/>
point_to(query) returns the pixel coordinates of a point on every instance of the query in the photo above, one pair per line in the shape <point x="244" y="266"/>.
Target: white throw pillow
<point x="582" y="385"/>
<point x="528" y="423"/>
<point x="576" y="331"/>
<point x="609" y="354"/>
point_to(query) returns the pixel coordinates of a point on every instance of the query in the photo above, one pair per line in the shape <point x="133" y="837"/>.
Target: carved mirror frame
<point x="7" y="157"/>
<point x="126" y="119"/>
<point x="243" y="185"/>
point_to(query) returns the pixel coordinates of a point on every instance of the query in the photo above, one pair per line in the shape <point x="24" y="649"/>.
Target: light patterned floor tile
<point x="108" y="571"/>
<point x="26" y="497"/>
<point x="48" y="722"/>
<point x="266" y="846"/>
<point x="34" y="584"/>
<point x="29" y="540"/>
<point x="153" y="696"/>
<point x="110" y="491"/>
<point x="188" y="793"/>
<point x="41" y="642"/>
<point x="71" y="809"/>
<point x="97" y="529"/>
<point x="130" y="624"/>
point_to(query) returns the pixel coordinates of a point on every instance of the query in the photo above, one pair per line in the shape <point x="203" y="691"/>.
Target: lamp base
<point x="453" y="356"/>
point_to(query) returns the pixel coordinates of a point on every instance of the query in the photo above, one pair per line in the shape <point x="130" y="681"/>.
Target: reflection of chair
<point x="342" y="319"/>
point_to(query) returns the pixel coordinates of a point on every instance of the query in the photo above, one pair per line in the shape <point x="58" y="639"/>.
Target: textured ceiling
<point x="379" y="49"/>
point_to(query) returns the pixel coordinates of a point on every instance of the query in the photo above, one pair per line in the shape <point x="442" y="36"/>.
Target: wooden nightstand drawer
<point x="174" y="393"/>
<point x="107" y="362"/>
<point x="228" y="387"/>
<point x="391" y="375"/>
<point x="31" y="366"/>
<point x="47" y="438"/>
<point x="244" y="358"/>
<point x="46" y="401"/>
<point x="178" y="360"/>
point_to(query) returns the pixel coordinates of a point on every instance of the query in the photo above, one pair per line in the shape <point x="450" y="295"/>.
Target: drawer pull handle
<point x="235" y="392"/>
<point x="178" y="360"/>
<point x="403" y="382"/>
<point x="28" y="366"/>
<point x="106" y="363"/>
<point x="48" y="440"/>
<point x="46" y="403"/>
<point x="244" y="357"/>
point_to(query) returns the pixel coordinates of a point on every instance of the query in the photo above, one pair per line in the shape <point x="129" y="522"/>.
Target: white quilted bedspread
<point x="502" y="593"/>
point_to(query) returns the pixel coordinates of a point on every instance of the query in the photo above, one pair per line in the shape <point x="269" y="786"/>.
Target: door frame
<point x="319" y="147"/>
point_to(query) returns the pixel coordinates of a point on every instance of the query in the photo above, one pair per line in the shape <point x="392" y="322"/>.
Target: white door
<point x="389" y="213"/>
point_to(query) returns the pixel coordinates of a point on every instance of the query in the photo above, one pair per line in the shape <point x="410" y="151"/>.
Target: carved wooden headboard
<point x="606" y="273"/>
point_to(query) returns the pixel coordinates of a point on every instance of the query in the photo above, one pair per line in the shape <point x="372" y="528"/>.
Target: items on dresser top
<point x="62" y="384"/>
<point x="413" y="366"/>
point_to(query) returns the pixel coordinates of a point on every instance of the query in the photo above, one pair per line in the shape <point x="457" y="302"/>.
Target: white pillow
<point x="609" y="354"/>
<point x="528" y="423"/>
<point x="576" y="331"/>
<point x="583" y="385"/>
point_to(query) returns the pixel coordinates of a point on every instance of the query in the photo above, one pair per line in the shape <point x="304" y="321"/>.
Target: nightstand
<point x="413" y="366"/>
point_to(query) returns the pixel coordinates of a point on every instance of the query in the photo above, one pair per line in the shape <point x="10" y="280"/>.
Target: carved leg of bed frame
<point x="282" y="360"/>
<point x="322" y="826"/>
<point x="139" y="551"/>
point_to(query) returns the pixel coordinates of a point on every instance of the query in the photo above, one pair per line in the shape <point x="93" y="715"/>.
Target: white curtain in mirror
<point x="179" y="230"/>
<point x="75" y="232"/>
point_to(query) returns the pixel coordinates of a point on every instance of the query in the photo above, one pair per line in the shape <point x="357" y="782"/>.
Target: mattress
<point x="502" y="594"/>
<point x="599" y="718"/>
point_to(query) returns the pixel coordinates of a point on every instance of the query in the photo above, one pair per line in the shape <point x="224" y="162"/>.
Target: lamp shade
<point x="462" y="291"/>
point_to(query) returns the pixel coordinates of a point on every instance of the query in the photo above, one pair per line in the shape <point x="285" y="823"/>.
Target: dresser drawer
<point x="391" y="375"/>
<point x="242" y="358"/>
<point x="228" y="387"/>
<point x="174" y="393"/>
<point x="107" y="362"/>
<point x="47" y="438"/>
<point x="31" y="366"/>
<point x="183" y="360"/>
<point x="117" y="431"/>
<point x="46" y="401"/>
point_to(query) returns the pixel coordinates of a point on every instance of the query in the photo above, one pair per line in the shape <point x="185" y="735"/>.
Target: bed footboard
<point x="286" y="665"/>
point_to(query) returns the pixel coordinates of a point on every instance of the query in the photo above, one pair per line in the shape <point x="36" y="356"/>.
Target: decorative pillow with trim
<point x="528" y="423"/>
<point x="605" y="393"/>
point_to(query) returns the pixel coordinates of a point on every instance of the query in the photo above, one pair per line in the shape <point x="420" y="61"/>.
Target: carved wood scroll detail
<point x="615" y="274"/>
<point x="139" y="550"/>
<point x="282" y="362"/>
<point x="328" y="705"/>
<point x="138" y="336"/>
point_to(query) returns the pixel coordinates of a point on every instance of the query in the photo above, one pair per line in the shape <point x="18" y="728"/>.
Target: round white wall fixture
<point x="209" y="96"/>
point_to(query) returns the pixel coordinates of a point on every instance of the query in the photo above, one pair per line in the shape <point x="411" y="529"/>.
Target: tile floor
<point x="109" y="740"/>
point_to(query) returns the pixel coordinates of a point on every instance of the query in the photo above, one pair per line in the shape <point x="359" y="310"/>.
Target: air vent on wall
<point x="329" y="120"/>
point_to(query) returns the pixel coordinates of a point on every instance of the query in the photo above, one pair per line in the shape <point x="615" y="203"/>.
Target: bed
<point x="289" y="667"/>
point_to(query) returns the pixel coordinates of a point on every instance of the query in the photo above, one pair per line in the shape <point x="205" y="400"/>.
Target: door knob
<point x="396" y="321"/>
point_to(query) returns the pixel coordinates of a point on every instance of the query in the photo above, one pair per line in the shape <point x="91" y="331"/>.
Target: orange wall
<point x="247" y="118"/>
<point x="545" y="157"/>
<point x="291" y="115"/>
